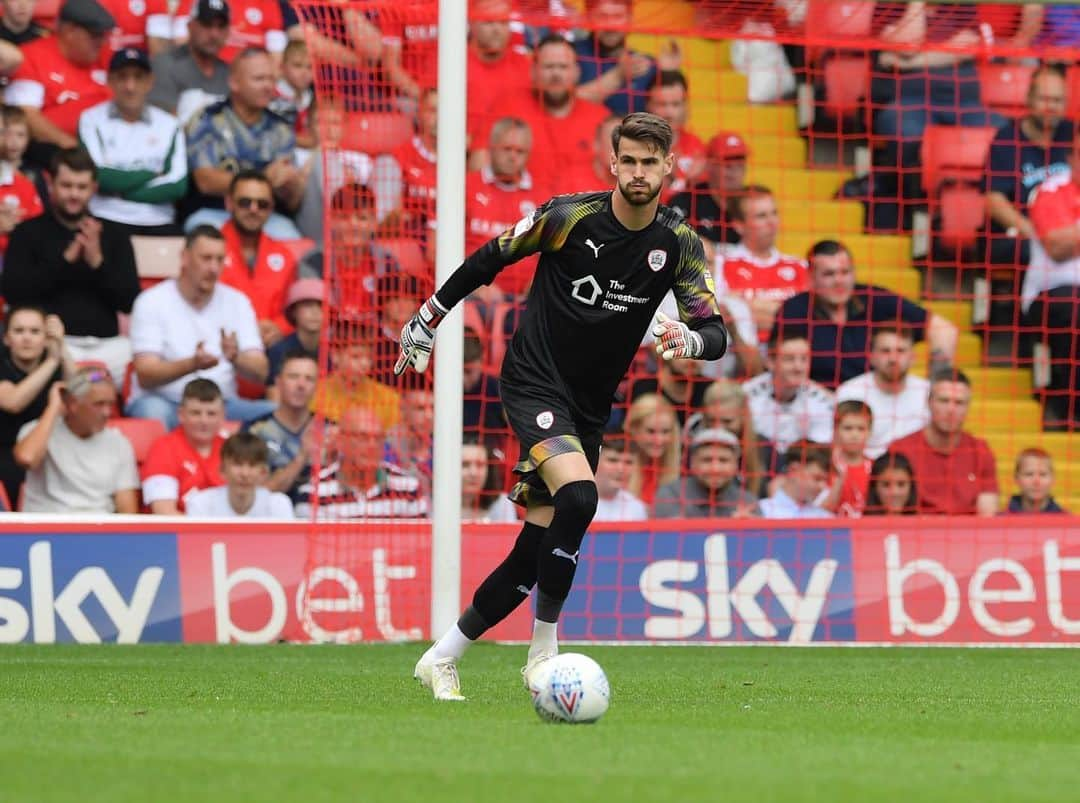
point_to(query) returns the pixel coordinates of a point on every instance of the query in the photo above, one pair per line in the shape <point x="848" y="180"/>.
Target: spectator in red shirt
<point x="188" y="458"/>
<point x="850" y="465"/>
<point x="562" y="124"/>
<point x="955" y="470"/>
<point x="669" y="98"/>
<point x="254" y="23"/>
<point x="597" y="174"/>
<point x="258" y="266"/>
<point x="19" y="198"/>
<point x="63" y="74"/>
<point x="493" y="65"/>
<point x="412" y="168"/>
<point x="134" y="19"/>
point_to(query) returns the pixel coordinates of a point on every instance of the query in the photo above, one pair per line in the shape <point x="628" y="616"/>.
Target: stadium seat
<point x="1004" y="87"/>
<point x="376" y="132"/>
<point x="407" y="253"/>
<point x="157" y="258"/>
<point x="954" y="153"/>
<point x="847" y="84"/>
<point x="834" y="20"/>
<point x="962" y="211"/>
<point x="140" y="432"/>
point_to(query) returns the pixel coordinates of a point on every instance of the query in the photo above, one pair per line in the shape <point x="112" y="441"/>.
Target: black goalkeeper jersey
<point x="596" y="290"/>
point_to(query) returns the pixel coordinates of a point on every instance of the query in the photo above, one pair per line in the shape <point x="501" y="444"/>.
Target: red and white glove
<point x="418" y="337"/>
<point x="675" y="339"/>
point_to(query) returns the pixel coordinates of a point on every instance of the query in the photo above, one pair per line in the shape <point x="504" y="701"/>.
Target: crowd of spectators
<point x="200" y="123"/>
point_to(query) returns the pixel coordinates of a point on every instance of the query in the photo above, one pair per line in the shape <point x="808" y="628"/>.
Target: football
<point x="570" y="688"/>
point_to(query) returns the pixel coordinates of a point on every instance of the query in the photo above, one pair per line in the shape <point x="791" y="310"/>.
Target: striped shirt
<point x="395" y="494"/>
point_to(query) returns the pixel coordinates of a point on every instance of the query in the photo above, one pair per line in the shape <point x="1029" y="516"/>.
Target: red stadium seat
<point x="962" y="210"/>
<point x="408" y="254"/>
<point x="140" y="432"/>
<point x="46" y="12"/>
<point x="157" y="258"/>
<point x="847" y="84"/>
<point x="376" y="132"/>
<point x="1004" y="87"/>
<point x="838" y="19"/>
<point x="954" y="153"/>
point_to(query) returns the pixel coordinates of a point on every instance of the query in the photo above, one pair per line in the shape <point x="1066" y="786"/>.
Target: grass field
<point x="193" y="723"/>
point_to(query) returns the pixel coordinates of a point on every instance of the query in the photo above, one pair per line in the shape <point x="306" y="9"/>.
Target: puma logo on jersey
<point x="561" y="554"/>
<point x="595" y="248"/>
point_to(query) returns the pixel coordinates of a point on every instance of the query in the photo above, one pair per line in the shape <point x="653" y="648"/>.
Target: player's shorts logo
<point x="657" y="259"/>
<point x="545" y="419"/>
<point x="586" y="289"/>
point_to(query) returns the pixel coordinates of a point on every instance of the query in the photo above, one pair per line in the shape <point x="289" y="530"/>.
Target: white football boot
<point x="534" y="662"/>
<point x="440" y="676"/>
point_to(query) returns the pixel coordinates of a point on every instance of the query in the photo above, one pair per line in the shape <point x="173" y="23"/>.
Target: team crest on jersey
<point x="527" y="208"/>
<point x="137" y="7"/>
<point x="275" y="262"/>
<point x="657" y="259"/>
<point x="99" y="77"/>
<point x="253" y="15"/>
<point x="525" y="224"/>
<point x="545" y="419"/>
<point x="785" y="273"/>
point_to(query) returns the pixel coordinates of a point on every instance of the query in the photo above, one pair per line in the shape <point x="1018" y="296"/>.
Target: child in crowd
<point x="245" y="467"/>
<point x="806" y="473"/>
<point x="20" y="198"/>
<point x="1034" y="477"/>
<point x="846" y="496"/>
<point x="617" y="464"/>
<point x="294" y="91"/>
<point x="892" y="487"/>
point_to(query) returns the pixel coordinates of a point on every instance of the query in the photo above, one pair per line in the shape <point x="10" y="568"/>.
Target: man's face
<point x="1047" y="100"/>
<point x="201" y="420"/>
<point x="760" y="223"/>
<point x="714" y="465"/>
<point x="791" y="365"/>
<point x="130" y="87"/>
<point x="726" y="175"/>
<point x="252" y="81"/>
<point x="609" y="19"/>
<point x="202" y="263"/>
<point x="91" y="413"/>
<point x="25" y="335"/>
<point x="251" y="204"/>
<point x="352" y="359"/>
<point x="17" y="13"/>
<point x="510" y="153"/>
<point x="396" y="312"/>
<point x="361" y="441"/>
<point x="806" y="481"/>
<point x="80" y="46"/>
<point x="308" y="316"/>
<point x="614" y="470"/>
<point x="640" y="170"/>
<point x="555" y="72"/>
<point x="15" y="138"/>
<point x="208" y="38"/>
<point x="725" y="415"/>
<point x="832" y="278"/>
<point x="418" y="411"/>
<point x="891" y="356"/>
<point x="949" y="403"/>
<point x="491" y="36"/>
<point x="471" y="373"/>
<point x="244" y="476"/>
<point x="669" y="102"/>
<point x="296" y="383"/>
<point x="71" y="191"/>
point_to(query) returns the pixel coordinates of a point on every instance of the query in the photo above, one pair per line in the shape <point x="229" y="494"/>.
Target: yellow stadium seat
<point x="796" y="185"/>
<point x="999" y="383"/>
<point x="833" y="219"/>
<point x="959" y="312"/>
<point x="708" y="116"/>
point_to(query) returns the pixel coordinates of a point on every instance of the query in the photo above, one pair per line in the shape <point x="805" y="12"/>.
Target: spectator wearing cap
<point x="75" y="265"/>
<point x="304" y="312"/>
<point x="255" y="23"/>
<point x="63" y="75"/>
<point x="712" y="488"/>
<point x="705" y="204"/>
<point x="17" y="24"/>
<point x="241" y="133"/>
<point x="191" y="76"/>
<point x="139" y="151"/>
<point x="256" y="264"/>
<point x="192" y="326"/>
<point x="74" y="463"/>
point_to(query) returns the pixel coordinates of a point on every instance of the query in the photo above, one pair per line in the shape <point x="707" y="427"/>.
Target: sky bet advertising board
<point x="929" y="581"/>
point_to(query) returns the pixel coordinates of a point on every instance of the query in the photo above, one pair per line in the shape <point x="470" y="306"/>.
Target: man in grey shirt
<point x="712" y="489"/>
<point x="189" y="77"/>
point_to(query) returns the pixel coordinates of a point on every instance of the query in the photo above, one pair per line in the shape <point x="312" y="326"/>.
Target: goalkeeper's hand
<point x="675" y="339"/>
<point x="418" y="336"/>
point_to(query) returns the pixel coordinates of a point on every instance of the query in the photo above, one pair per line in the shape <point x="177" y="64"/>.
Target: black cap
<point x="206" y="11"/>
<point x="129" y="57"/>
<point x="89" y="14"/>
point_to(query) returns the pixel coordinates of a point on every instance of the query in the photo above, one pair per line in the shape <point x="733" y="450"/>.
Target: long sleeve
<point x="30" y="276"/>
<point x="172" y="184"/>
<point x="118" y="278"/>
<point x="695" y="295"/>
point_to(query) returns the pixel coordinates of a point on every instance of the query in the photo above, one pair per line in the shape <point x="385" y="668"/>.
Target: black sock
<point x="507" y="586"/>
<point x="575" y="505"/>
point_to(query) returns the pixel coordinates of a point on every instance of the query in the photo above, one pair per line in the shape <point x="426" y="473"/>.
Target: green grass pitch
<point x="291" y="723"/>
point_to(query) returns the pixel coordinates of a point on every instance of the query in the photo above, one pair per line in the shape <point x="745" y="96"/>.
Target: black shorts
<point x="544" y="427"/>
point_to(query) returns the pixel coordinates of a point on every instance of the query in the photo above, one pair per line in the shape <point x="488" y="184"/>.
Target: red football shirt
<point x="133" y="22"/>
<point x="17" y="190"/>
<point x="60" y="89"/>
<point x="689" y="162"/>
<point x="949" y="482"/>
<point x="415" y="32"/>
<point x="266" y="285"/>
<point x="778" y="277"/>
<point x="1056" y="205"/>
<point x="173" y="469"/>
<point x="853" y="492"/>
<point x="487" y="82"/>
<point x="418" y="178"/>
<point x="492" y="207"/>
<point x="252" y="23"/>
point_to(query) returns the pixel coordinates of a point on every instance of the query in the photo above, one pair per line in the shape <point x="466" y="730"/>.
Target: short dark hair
<point x="250" y="174"/>
<point x="734" y="206"/>
<point x="11" y="313"/>
<point x="666" y="78"/>
<point x="807" y="453"/>
<point x="296" y="354"/>
<point x="201" y="389"/>
<point x="245" y="447"/>
<point x="552" y="38"/>
<point x="14" y="115"/>
<point x="616" y="442"/>
<point x="77" y="160"/>
<point x="202" y="230"/>
<point x="352" y="196"/>
<point x="949" y="373"/>
<point x="244" y="55"/>
<point x="900" y="330"/>
<point x="853" y="407"/>
<point x="472" y="346"/>
<point x="644" y="127"/>
<point x="827" y="248"/>
<point x="782" y="332"/>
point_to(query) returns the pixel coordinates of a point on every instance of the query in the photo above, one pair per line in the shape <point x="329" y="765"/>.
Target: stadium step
<point x="999" y="383"/>
<point x="797" y="185"/>
<point x="959" y="312"/>
<point x="717" y="86"/>
<point x="839" y="218"/>
<point x="663" y="14"/>
<point x="708" y="116"/>
<point x="968" y="352"/>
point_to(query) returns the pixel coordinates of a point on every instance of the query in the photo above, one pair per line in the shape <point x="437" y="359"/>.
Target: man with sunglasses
<point x="259" y="267"/>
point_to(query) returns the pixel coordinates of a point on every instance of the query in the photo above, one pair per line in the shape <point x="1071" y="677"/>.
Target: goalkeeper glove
<point x="675" y="339"/>
<point x="418" y="336"/>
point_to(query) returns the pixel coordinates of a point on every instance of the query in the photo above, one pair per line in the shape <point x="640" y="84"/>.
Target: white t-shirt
<point x="895" y="414"/>
<point x="165" y="324"/>
<point x="809" y="414"/>
<point x="213" y="503"/>
<point x="624" y="506"/>
<point x="79" y="475"/>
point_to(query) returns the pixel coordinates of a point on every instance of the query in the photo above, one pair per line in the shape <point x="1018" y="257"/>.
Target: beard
<point x="639" y="200"/>
<point x="70" y="219"/>
<point x="556" y="98"/>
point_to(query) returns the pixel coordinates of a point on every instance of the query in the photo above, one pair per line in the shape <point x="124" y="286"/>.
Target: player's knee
<point x="576" y="503"/>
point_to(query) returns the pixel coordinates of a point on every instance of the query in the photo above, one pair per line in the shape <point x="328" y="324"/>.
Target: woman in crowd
<point x="481" y="496"/>
<point x="653" y="429"/>
<point x="892" y="487"/>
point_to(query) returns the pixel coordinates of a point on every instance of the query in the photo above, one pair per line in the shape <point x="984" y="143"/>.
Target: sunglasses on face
<point x="261" y="204"/>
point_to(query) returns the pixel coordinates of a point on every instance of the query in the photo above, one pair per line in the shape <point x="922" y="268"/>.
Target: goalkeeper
<point x="607" y="261"/>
